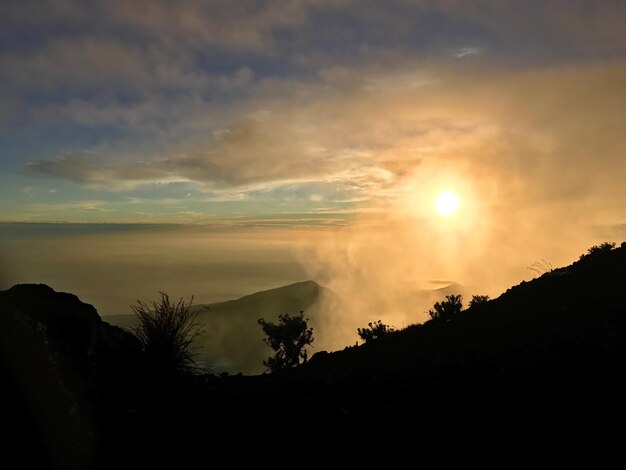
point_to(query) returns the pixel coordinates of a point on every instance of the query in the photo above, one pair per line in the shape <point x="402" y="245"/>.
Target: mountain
<point x="547" y="359"/>
<point x="232" y="339"/>
<point x="549" y="351"/>
<point x="569" y="322"/>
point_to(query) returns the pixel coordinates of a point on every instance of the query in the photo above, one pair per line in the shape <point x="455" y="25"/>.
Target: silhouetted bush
<point x="478" y="300"/>
<point x="167" y="332"/>
<point x="288" y="339"/>
<point x="447" y="309"/>
<point x="598" y="249"/>
<point x="375" y="330"/>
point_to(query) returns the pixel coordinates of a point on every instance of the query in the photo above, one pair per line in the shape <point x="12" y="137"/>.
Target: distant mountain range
<point x="232" y="339"/>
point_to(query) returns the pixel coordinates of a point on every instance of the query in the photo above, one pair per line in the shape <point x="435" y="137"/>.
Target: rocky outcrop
<point x="63" y="367"/>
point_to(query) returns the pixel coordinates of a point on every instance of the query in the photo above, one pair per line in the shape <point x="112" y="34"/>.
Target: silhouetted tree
<point x="447" y="309"/>
<point x="287" y="338"/>
<point x="478" y="300"/>
<point x="374" y="331"/>
<point x="598" y="249"/>
<point x="167" y="332"/>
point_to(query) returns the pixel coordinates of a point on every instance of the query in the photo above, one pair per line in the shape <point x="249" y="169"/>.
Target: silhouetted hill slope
<point x="58" y="363"/>
<point x="548" y="355"/>
<point x="233" y="341"/>
<point x="584" y="303"/>
<point x="554" y="342"/>
<point x="292" y="297"/>
<point x="550" y="350"/>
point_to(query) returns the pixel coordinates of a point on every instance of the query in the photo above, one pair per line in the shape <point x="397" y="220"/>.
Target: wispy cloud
<point x="122" y="177"/>
<point x="50" y="211"/>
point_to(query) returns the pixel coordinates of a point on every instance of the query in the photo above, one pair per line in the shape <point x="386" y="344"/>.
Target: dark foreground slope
<point x="68" y="378"/>
<point x="567" y="325"/>
<point x="549" y="354"/>
<point x="552" y="350"/>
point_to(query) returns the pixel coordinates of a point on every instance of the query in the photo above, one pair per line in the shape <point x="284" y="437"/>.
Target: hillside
<point x="535" y="352"/>
<point x="575" y="310"/>
<point x="232" y="339"/>
<point x="67" y="379"/>
<point x="549" y="351"/>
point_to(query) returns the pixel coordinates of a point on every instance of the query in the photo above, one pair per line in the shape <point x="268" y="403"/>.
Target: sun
<point x="447" y="203"/>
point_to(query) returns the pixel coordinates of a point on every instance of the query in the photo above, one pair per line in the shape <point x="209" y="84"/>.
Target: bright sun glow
<point x="447" y="203"/>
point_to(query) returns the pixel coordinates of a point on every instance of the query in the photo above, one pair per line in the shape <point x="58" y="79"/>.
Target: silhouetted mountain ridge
<point x="232" y="340"/>
<point x="549" y="351"/>
<point x="292" y="296"/>
<point x="576" y="308"/>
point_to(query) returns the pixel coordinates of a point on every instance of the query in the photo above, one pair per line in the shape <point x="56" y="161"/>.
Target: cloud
<point x="154" y="47"/>
<point x="334" y="114"/>
<point x="466" y="51"/>
<point x="51" y="210"/>
<point x="192" y="23"/>
<point x="110" y="177"/>
<point x="547" y="126"/>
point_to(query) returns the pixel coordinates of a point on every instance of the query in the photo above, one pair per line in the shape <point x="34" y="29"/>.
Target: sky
<point x="336" y="117"/>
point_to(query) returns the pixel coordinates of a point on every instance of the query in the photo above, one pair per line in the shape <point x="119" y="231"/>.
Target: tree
<point x="447" y="309"/>
<point x="478" y="300"/>
<point x="167" y="332"/>
<point x="375" y="331"/>
<point x="288" y="339"/>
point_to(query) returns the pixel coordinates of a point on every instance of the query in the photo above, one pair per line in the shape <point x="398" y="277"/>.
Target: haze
<point x="268" y="142"/>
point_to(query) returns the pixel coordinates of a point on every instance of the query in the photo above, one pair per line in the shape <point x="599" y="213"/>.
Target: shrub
<point x="447" y="309"/>
<point x="478" y="300"/>
<point x="598" y="249"/>
<point x="287" y="338"/>
<point x="167" y="332"/>
<point x="375" y="330"/>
